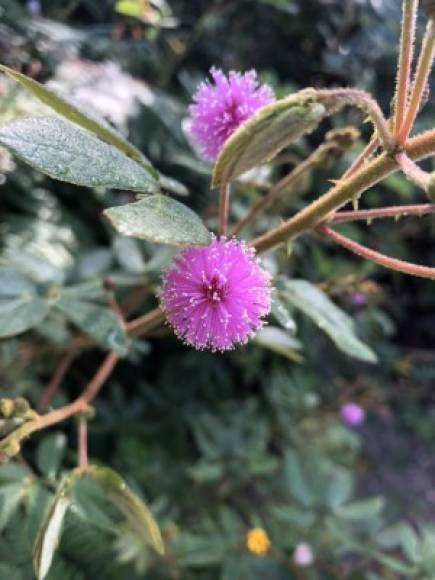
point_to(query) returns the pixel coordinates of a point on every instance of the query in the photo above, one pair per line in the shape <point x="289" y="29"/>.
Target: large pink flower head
<point x="216" y="297"/>
<point x="218" y="109"/>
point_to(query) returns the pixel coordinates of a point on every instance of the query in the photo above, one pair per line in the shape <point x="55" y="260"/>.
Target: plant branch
<point x="420" y="82"/>
<point x="83" y="442"/>
<point x="224" y="209"/>
<point x="377" y="257"/>
<point x="336" y="142"/>
<point x="406" y="51"/>
<point x="383" y="212"/>
<point x="413" y="172"/>
<point x="419" y="147"/>
<point x="336" y="98"/>
<point x="52" y="387"/>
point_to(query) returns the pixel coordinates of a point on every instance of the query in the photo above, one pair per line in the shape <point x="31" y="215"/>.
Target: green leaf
<point x="159" y="219"/>
<point x="328" y="317"/>
<point x="279" y="341"/>
<point x="10" y="497"/>
<point x="129" y="255"/>
<point x="17" y="316"/>
<point x="296" y="480"/>
<point x="84" y="119"/>
<point x="68" y="153"/>
<point x="48" y="537"/>
<point x="20" y="306"/>
<point x="97" y="321"/>
<point x="361" y="509"/>
<point x="50" y="453"/>
<point x="137" y="514"/>
<point x="410" y="543"/>
<point x="266" y="133"/>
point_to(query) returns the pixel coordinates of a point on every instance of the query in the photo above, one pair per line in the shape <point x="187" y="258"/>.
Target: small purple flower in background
<point x="216" y="297"/>
<point x="34" y="7"/>
<point x="303" y="555"/>
<point x="220" y="107"/>
<point x="358" y="299"/>
<point x="352" y="414"/>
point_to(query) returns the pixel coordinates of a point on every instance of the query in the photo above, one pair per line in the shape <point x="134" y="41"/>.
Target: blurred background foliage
<point x="220" y="444"/>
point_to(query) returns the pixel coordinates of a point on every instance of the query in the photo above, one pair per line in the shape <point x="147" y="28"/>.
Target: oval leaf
<point x="75" y="114"/>
<point x="97" y="321"/>
<point x="68" y="153"/>
<point x="21" y="314"/>
<point x="266" y="133"/>
<point x="47" y="539"/>
<point x="137" y="514"/>
<point x="159" y="219"/>
<point x="328" y="317"/>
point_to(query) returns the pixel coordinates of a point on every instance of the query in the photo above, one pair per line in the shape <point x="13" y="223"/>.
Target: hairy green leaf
<point x="159" y="219"/>
<point x="75" y="114"/>
<point x="67" y="152"/>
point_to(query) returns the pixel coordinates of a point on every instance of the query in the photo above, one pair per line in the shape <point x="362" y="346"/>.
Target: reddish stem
<point x="83" y="443"/>
<point x="405" y="62"/>
<point x="80" y="404"/>
<point x="377" y="257"/>
<point x="412" y="171"/>
<point x="52" y="387"/>
<point x="420" y="82"/>
<point x="383" y="212"/>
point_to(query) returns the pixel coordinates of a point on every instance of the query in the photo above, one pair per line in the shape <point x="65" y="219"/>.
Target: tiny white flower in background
<point x="303" y="555"/>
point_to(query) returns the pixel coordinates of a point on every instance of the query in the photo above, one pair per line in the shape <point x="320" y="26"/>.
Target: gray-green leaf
<point x="20" y="306"/>
<point x="66" y="152"/>
<point x="82" y="118"/>
<point x="160" y="219"/>
<point x="331" y="319"/>
<point x="97" y="321"/>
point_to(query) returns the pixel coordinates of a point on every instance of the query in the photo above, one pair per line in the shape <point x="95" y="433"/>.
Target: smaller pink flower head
<point x="216" y="297"/>
<point x="303" y="555"/>
<point x="352" y="414"/>
<point x="218" y="109"/>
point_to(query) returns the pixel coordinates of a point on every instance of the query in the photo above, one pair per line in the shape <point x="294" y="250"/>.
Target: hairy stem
<point x="383" y="212"/>
<point x="365" y="154"/>
<point x="406" y="51"/>
<point x="420" y="82"/>
<point x="412" y="171"/>
<point x="335" y="98"/>
<point x="316" y="158"/>
<point x="417" y="148"/>
<point x="377" y="257"/>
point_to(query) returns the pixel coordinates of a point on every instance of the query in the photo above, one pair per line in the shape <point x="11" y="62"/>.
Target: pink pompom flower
<point x="220" y="107"/>
<point x="216" y="296"/>
<point x="352" y="414"/>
